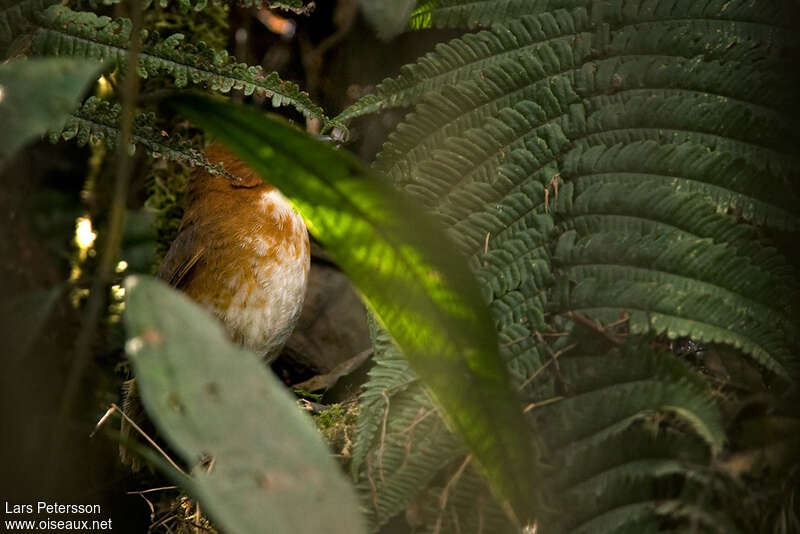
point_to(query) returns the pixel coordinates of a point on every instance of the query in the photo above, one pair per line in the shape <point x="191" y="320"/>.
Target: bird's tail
<point x="132" y="407"/>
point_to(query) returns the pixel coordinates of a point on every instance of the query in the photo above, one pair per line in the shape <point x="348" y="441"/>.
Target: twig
<point x="619" y="321"/>
<point x="579" y="317"/>
<point x="446" y="491"/>
<point x="131" y="422"/>
<point x="417" y="420"/>
<point x="103" y="420"/>
<point x="523" y="338"/>
<point x="383" y="436"/>
<point x="197" y="517"/>
<point x="328" y="380"/>
<point x="553" y="359"/>
<point x="151" y="490"/>
<point x="409" y="444"/>
<point x="116" y="224"/>
<point x="149" y="504"/>
<point x="373" y="487"/>
<point x="453" y="481"/>
<point x="163" y="522"/>
<point x="533" y="405"/>
<point x="546" y="200"/>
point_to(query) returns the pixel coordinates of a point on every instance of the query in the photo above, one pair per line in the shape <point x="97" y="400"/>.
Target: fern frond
<point x="685" y="264"/>
<point x="98" y="121"/>
<point x="296" y="6"/>
<point x="535" y="37"/>
<point x="551" y="35"/>
<point x="16" y="17"/>
<point x="401" y="441"/>
<point x="469" y="14"/>
<point x="632" y="162"/>
<point x="655" y="307"/>
<point x="460" y="502"/>
<point x="604" y="445"/>
<point x="83" y="34"/>
<point x="723" y="179"/>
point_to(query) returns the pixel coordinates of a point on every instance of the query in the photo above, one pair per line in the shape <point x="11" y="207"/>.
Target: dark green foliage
<point x="37" y="95"/>
<point x="84" y="34"/>
<point x="470" y="14"/>
<point x="179" y="59"/>
<point x="98" y="120"/>
<point x="617" y="170"/>
<point x="15" y="19"/>
<point x="39" y="28"/>
<point x="185" y="6"/>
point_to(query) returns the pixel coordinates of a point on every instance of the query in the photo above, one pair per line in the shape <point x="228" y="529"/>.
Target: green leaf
<point x="63" y="32"/>
<point x="296" y="6"/>
<point x="97" y="120"/>
<point x="213" y="400"/>
<point x="474" y="13"/>
<point x="37" y="95"/>
<point x="15" y="19"/>
<point x="412" y="277"/>
<point x="388" y="17"/>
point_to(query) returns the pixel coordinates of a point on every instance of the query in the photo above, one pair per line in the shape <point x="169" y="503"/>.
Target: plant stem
<point x="116" y="224"/>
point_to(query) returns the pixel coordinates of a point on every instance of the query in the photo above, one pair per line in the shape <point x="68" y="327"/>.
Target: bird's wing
<point x="180" y="259"/>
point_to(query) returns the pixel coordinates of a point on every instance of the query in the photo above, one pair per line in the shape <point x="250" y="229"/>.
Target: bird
<point x="241" y="252"/>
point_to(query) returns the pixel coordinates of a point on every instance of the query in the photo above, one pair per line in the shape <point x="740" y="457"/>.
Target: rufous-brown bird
<point x="241" y="252"/>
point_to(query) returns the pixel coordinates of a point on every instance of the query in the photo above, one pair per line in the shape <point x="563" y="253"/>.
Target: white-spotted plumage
<point x="279" y="285"/>
<point x="243" y="253"/>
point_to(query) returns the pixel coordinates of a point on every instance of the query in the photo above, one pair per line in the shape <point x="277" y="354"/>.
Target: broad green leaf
<point x="410" y="274"/>
<point x="388" y="17"/>
<point x="37" y="95"/>
<point x="213" y="400"/>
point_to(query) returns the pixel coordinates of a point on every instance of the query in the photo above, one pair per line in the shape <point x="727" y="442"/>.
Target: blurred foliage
<point x="37" y="95"/>
<point x="219" y="408"/>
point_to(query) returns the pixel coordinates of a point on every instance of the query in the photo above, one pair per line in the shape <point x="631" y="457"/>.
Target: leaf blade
<point x="37" y="95"/>
<point x="192" y="379"/>
<point x="411" y="275"/>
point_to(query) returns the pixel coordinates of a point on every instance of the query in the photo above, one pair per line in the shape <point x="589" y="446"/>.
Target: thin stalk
<point x="116" y="223"/>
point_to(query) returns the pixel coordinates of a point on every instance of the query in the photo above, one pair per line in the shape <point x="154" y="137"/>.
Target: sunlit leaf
<point x="266" y="468"/>
<point x="411" y="276"/>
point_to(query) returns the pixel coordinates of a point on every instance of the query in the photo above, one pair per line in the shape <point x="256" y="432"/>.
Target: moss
<point x="211" y="22"/>
<point x="166" y="188"/>
<point x="337" y="424"/>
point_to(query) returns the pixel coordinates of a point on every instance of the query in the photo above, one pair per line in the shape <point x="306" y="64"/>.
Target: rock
<point x="333" y="325"/>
